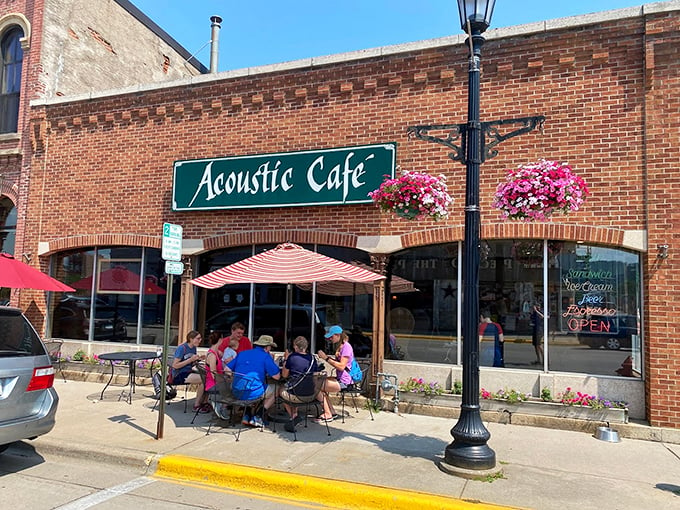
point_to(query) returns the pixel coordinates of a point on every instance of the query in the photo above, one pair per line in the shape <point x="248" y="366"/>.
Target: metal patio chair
<point x="54" y="351"/>
<point x="297" y="395"/>
<point x="235" y="391"/>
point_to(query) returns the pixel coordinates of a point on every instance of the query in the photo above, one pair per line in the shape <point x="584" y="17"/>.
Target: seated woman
<point x="214" y="365"/>
<point x="299" y="368"/>
<point x="344" y="355"/>
<point x="185" y="358"/>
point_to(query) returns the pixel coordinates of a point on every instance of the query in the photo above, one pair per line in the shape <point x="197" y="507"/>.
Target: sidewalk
<point x="542" y="468"/>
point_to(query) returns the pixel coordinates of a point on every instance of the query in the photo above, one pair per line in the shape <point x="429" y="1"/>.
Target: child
<point x="230" y="352"/>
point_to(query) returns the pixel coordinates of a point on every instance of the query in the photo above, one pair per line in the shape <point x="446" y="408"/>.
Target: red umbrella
<point x="287" y="263"/>
<point x="120" y="279"/>
<point x="14" y="274"/>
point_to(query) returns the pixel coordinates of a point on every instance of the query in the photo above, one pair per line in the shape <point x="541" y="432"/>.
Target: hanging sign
<point x="325" y="177"/>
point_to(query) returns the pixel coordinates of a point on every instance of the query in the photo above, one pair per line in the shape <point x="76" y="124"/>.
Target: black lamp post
<point x="469" y="449"/>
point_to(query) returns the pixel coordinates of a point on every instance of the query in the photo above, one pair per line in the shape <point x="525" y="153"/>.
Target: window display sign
<point x="325" y="177"/>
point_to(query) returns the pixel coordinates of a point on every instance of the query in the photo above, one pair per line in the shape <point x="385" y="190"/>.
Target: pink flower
<point x="536" y="191"/>
<point x="414" y="195"/>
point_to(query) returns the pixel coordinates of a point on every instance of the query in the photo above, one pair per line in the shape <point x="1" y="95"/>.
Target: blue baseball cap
<point x="334" y="330"/>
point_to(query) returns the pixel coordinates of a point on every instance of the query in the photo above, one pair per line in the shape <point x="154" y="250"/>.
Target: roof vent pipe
<point x="214" y="42"/>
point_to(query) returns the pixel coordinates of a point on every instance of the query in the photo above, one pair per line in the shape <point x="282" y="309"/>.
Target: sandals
<point x="321" y="419"/>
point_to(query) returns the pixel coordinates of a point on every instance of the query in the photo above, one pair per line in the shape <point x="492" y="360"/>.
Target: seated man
<point x="251" y="368"/>
<point x="299" y="369"/>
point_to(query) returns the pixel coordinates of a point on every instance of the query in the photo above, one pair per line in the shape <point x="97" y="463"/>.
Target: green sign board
<point x="324" y="177"/>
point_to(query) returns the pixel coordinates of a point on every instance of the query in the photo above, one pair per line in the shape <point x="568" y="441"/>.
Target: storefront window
<point x="347" y="304"/>
<point x="106" y="304"/>
<point x="596" y="308"/>
<point x="593" y="301"/>
<point x="423" y="309"/>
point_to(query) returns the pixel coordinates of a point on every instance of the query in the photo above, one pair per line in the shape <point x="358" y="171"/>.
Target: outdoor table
<point x="130" y="358"/>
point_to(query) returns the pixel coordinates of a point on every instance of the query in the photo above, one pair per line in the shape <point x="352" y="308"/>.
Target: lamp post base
<point x="470" y="474"/>
<point x="469" y="457"/>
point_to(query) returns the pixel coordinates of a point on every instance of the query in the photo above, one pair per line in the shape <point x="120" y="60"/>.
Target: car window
<point x="17" y="335"/>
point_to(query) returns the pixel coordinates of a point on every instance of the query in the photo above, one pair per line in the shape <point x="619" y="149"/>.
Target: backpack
<point x="170" y="392"/>
<point x="355" y="372"/>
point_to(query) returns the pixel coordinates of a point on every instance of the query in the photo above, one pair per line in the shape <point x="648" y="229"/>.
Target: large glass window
<point x="120" y="296"/>
<point x="423" y="304"/>
<point x="593" y="305"/>
<point x="348" y="305"/>
<point x="10" y="79"/>
<point x="596" y="310"/>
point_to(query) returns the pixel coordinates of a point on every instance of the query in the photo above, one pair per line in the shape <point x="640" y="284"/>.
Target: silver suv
<point x="28" y="402"/>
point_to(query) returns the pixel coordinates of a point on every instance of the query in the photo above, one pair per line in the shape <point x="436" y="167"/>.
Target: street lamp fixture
<point x="469" y="450"/>
<point x="477" y="13"/>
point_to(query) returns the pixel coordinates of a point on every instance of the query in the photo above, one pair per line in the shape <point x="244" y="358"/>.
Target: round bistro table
<point x="130" y="358"/>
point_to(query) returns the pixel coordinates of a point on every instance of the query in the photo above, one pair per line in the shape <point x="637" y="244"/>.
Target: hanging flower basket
<point x="414" y="196"/>
<point x="536" y="191"/>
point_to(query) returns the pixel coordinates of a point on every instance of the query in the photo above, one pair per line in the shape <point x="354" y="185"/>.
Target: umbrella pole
<point x="312" y="326"/>
<point x="289" y="313"/>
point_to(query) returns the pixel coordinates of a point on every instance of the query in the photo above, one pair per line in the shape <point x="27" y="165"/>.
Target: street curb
<point x="305" y="488"/>
<point x="139" y="460"/>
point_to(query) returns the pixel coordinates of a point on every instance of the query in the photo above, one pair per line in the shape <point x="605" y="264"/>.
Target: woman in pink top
<point x="213" y="363"/>
<point x="343" y="359"/>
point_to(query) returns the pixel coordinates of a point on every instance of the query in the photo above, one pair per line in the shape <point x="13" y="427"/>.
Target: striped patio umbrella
<point x="287" y="263"/>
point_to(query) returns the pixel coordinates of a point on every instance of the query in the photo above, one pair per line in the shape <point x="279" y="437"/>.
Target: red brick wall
<point x="662" y="276"/>
<point x="16" y="180"/>
<point x="608" y="92"/>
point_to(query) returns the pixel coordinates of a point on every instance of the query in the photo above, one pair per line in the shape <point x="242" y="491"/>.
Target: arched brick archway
<point x="9" y="190"/>
<point x="84" y="241"/>
<point x="282" y="236"/>
<point x="514" y="230"/>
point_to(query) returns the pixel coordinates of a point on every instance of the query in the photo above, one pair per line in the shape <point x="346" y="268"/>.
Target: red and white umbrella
<point x="287" y="263"/>
<point x="14" y="274"/>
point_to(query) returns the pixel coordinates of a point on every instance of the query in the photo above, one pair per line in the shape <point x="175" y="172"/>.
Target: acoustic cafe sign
<point x="324" y="177"/>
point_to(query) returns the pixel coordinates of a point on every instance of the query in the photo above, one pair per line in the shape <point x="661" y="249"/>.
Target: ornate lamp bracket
<point x="490" y="131"/>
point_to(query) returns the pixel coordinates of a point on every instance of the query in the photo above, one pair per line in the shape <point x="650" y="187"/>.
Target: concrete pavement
<point x="390" y="462"/>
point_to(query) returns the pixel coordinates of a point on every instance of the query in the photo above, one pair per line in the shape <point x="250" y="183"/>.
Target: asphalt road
<point x="31" y="480"/>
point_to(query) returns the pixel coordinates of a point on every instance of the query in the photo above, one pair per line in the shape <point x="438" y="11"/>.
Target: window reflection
<point x="349" y="305"/>
<point x="106" y="304"/>
<point x="593" y="304"/>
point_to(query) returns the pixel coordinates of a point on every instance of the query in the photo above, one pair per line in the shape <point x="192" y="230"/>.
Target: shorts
<point x="296" y="399"/>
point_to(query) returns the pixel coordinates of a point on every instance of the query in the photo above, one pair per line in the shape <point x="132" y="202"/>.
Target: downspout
<point x="214" y="42"/>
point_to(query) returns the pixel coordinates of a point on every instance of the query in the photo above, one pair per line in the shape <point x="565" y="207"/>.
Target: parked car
<point x="72" y="320"/>
<point x="616" y="332"/>
<point x="269" y="320"/>
<point x="28" y="402"/>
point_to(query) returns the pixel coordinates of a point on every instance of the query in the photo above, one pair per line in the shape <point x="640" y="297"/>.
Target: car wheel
<point x="613" y="344"/>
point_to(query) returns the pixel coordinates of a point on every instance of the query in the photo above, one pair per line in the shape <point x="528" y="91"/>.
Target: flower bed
<point x="570" y="404"/>
<point x="414" y="196"/>
<point x="536" y="191"/>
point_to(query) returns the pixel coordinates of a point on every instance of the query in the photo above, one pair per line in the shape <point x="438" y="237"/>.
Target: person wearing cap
<point x="256" y="364"/>
<point x="344" y="355"/>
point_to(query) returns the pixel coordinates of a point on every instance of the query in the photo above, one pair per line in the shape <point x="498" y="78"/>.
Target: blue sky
<point x="272" y="31"/>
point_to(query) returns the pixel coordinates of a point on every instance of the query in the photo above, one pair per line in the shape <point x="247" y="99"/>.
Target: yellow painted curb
<point x="296" y="487"/>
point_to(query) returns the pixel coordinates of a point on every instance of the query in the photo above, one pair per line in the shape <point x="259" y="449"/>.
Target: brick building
<point x="108" y="169"/>
<point x="58" y="48"/>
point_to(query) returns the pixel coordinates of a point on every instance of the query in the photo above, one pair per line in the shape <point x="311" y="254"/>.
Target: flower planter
<point x="414" y="196"/>
<point x="536" y="191"/>
<point x="530" y="407"/>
